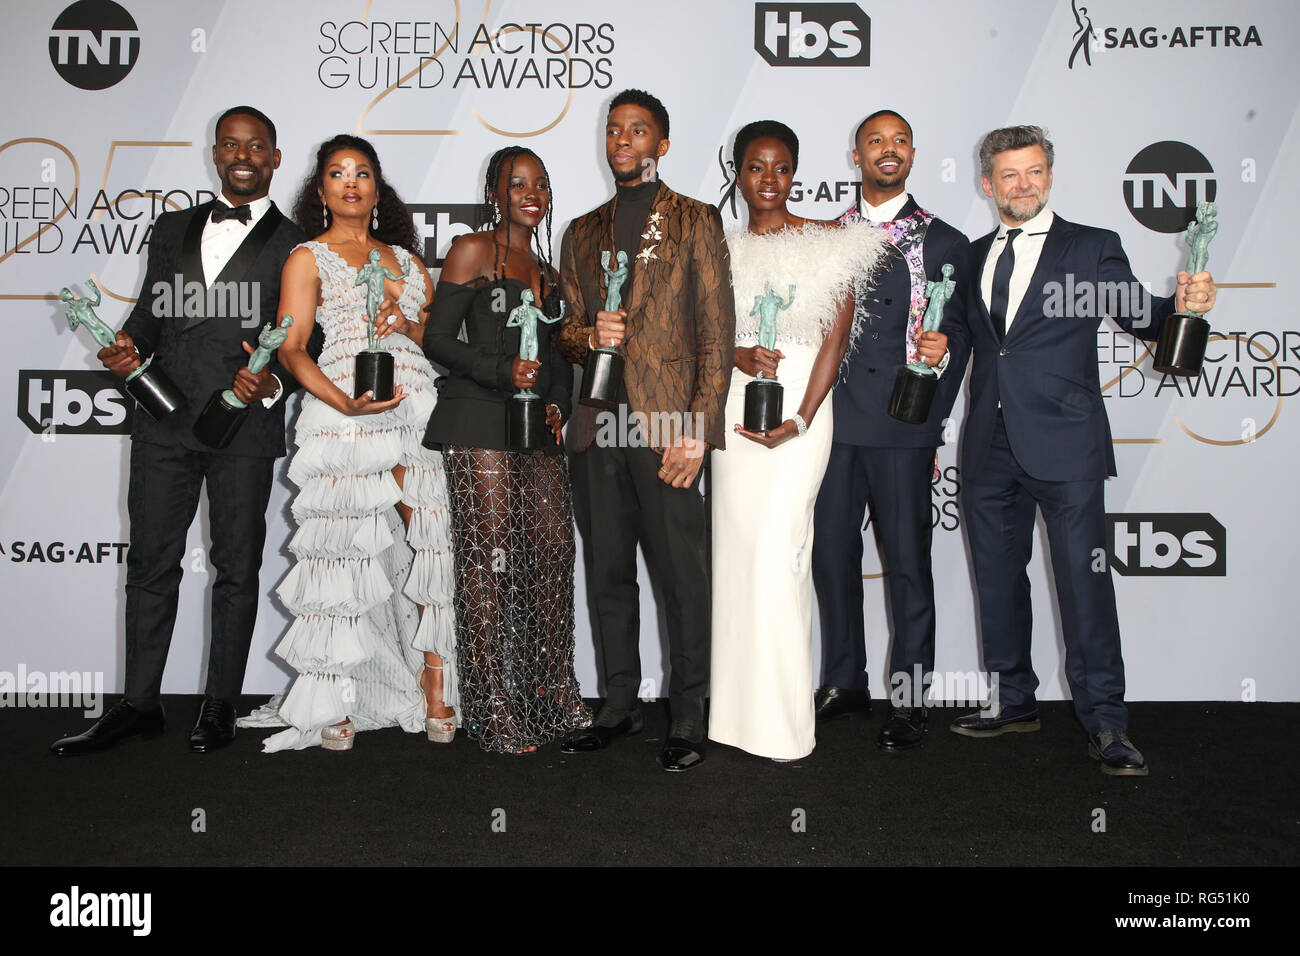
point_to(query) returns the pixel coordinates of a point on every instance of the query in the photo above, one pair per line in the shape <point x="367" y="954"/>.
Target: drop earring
<point x="325" y="217"/>
<point x="374" y="217"/>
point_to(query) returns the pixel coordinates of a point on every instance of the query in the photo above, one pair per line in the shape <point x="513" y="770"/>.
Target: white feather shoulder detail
<point x="823" y="262"/>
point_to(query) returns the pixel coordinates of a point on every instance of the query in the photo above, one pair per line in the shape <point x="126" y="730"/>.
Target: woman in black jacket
<point x="511" y="511"/>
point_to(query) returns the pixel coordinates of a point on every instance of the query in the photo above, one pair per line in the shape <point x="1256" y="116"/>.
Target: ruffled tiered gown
<point x="358" y="639"/>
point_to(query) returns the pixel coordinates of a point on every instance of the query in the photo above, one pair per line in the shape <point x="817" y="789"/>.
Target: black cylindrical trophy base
<point x="155" y="393"/>
<point x="374" y="374"/>
<point x="763" y="400"/>
<point x="913" y="396"/>
<point x="601" y="378"/>
<point x="219" y="422"/>
<point x="525" y="423"/>
<point x="1181" y="349"/>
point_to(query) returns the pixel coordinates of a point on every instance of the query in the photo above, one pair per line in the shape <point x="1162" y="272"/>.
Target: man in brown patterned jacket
<point x="636" y="470"/>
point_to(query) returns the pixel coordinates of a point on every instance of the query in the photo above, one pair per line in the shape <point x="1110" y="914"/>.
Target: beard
<point x="646" y="171"/>
<point x="1024" y="214"/>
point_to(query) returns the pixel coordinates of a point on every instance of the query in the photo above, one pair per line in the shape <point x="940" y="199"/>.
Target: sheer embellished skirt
<point x="512" y="540"/>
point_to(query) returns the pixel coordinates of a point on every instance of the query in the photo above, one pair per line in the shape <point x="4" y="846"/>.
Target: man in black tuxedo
<point x="878" y="459"/>
<point x="1037" y="437"/>
<point x="242" y="240"/>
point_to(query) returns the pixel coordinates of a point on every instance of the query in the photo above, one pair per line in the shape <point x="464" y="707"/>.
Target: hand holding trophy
<point x="152" y="390"/>
<point x="1184" y="336"/>
<point x="764" y="396"/>
<point x="916" y="384"/>
<point x="525" y="412"/>
<point x="603" y="373"/>
<point x="224" y="414"/>
<point x="374" y="368"/>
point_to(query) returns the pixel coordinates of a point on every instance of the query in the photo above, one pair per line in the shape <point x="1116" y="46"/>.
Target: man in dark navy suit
<point x="877" y="459"/>
<point x="235" y="246"/>
<point x="1037" y="437"/>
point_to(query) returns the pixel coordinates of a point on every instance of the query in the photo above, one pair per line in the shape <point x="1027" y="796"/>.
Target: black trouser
<point x="896" y="482"/>
<point x="620" y="501"/>
<point x="161" y="501"/>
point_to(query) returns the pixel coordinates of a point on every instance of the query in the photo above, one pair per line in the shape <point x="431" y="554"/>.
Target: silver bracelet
<point x="800" y="424"/>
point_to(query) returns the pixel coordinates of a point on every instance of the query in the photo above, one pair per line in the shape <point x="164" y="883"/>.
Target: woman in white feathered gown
<point x="373" y="638"/>
<point x="764" y="485"/>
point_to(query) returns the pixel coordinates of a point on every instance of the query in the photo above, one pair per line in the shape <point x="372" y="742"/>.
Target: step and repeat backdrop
<point x="1152" y="106"/>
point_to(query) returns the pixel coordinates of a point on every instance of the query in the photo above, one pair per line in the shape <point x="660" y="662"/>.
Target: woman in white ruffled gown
<point x="764" y="485"/>
<point x="373" y="638"/>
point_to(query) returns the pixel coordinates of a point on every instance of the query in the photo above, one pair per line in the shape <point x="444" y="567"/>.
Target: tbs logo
<point x="812" y="34"/>
<point x="1190" y="545"/>
<point x="438" y="224"/>
<point x="72" y="403"/>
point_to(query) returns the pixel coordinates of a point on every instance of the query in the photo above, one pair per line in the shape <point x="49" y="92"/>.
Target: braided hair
<point x="504" y="160"/>
<point x="396" y="227"/>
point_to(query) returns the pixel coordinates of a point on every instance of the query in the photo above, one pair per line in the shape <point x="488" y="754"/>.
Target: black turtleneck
<point x="630" y="214"/>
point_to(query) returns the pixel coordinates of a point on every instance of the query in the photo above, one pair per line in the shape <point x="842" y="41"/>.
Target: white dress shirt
<point x="887" y="211"/>
<point x="1028" y="247"/>
<point x="220" y="241"/>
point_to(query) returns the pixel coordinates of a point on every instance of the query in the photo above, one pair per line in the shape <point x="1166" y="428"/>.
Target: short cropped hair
<point x="647" y="102"/>
<point x="857" y="134"/>
<point x="762" y="129"/>
<point x="1013" y="137"/>
<point x="246" y="111"/>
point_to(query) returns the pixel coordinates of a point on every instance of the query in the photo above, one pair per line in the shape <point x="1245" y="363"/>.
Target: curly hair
<point x="1013" y="137"/>
<point x="504" y="160"/>
<point x="648" y="102"/>
<point x="765" y="129"/>
<point x="396" y="227"/>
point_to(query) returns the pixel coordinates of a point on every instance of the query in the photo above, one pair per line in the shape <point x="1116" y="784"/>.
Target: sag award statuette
<point x="603" y="373"/>
<point x="1184" y="335"/>
<point x="374" y="370"/>
<point x="152" y="390"/>
<point x="221" y="418"/>
<point x="915" y="384"/>
<point x="763" y="396"/>
<point x="526" y="412"/>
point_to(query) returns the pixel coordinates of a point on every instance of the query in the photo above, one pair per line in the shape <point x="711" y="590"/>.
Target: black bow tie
<point x="221" y="212"/>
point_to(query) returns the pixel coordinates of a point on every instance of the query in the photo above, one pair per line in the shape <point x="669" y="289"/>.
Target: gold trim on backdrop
<point x="1277" y="410"/>
<point x="108" y="165"/>
<point x="362" y="130"/>
<point x="1245" y="285"/>
<point x="66" y="206"/>
<point x="537" y="132"/>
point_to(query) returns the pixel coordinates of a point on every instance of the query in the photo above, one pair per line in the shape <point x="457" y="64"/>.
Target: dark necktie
<point x="1002" y="285"/>
<point x="221" y="212"/>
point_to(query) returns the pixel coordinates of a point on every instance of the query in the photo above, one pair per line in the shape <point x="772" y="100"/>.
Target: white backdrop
<point x="84" y="171"/>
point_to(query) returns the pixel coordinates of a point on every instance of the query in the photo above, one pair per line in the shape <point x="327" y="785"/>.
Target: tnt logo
<point x="1163" y="184"/>
<point x="439" y="224"/>
<point x="812" y="34"/>
<point x="94" y="44"/>
<point x="72" y="403"/>
<point x="1193" y="545"/>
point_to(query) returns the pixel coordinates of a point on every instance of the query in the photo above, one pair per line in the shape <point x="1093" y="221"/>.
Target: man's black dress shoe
<point x="122" y="721"/>
<point x="832" y="702"/>
<point x="606" y="729"/>
<point x="1022" y="719"/>
<point x="215" y="727"/>
<point x="1118" y="756"/>
<point x="684" y="748"/>
<point x="904" y="729"/>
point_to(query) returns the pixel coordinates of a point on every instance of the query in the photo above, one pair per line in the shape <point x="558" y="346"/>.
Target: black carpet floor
<point x="1222" y="792"/>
